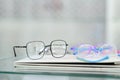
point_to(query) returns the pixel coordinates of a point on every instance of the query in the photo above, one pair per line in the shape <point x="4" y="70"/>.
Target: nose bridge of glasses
<point x="97" y="49"/>
<point x="47" y="48"/>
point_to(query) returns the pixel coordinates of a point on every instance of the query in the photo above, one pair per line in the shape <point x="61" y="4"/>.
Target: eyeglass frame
<point x="45" y="46"/>
<point x="91" y="48"/>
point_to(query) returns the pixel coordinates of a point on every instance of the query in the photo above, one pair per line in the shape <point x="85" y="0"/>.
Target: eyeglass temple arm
<point x="14" y="47"/>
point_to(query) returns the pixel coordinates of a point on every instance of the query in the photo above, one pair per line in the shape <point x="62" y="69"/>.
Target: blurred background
<point x="75" y="21"/>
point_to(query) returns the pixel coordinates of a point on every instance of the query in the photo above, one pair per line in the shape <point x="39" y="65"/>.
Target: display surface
<point x="7" y="67"/>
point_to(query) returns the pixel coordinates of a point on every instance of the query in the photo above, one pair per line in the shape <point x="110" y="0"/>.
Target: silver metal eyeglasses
<point x="36" y="49"/>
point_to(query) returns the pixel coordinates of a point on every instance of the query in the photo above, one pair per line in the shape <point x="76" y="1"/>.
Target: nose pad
<point x="74" y="53"/>
<point x="47" y="50"/>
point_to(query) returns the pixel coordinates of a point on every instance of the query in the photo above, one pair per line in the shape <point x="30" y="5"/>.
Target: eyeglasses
<point x="36" y="49"/>
<point x="90" y="53"/>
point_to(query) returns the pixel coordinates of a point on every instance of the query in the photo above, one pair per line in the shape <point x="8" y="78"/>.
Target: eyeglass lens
<point x="58" y="48"/>
<point x="35" y="50"/>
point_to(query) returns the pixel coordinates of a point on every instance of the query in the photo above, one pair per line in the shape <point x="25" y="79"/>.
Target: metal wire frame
<point x="14" y="48"/>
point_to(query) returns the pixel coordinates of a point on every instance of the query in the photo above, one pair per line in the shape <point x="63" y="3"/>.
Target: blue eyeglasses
<point x="93" y="54"/>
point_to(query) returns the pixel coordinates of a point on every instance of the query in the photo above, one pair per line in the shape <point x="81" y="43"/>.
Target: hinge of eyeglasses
<point x="66" y="44"/>
<point x="18" y="47"/>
